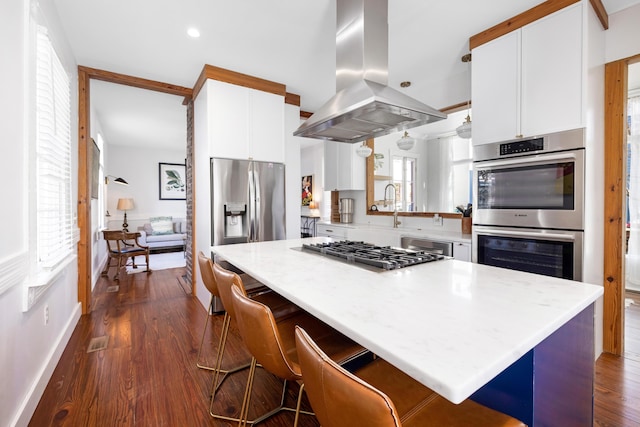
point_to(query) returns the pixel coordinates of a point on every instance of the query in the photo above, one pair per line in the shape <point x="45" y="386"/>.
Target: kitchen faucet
<point x="395" y="207"/>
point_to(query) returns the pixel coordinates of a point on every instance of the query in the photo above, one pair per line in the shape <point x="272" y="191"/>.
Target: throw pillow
<point x="161" y="225"/>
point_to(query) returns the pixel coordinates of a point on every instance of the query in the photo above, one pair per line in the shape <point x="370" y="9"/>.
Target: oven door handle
<point x="543" y="158"/>
<point x="533" y="234"/>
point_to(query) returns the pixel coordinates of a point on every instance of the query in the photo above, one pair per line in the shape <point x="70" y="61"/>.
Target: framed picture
<point x="307" y="190"/>
<point x="95" y="169"/>
<point x="173" y="181"/>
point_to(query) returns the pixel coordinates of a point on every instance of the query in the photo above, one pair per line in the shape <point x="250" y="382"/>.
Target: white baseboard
<point x="36" y="390"/>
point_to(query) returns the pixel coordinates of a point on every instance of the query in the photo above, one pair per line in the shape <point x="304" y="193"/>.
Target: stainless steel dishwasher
<point x="427" y="245"/>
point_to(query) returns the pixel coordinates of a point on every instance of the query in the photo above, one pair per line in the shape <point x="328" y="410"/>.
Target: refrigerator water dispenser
<point x="235" y="224"/>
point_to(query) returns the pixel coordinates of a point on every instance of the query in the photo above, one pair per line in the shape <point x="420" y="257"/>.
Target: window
<point x="404" y="178"/>
<point x="54" y="220"/>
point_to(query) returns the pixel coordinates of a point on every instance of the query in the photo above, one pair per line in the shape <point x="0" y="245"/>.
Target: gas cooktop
<point x="385" y="257"/>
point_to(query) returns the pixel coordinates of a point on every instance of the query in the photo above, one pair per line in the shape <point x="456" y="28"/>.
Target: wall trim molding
<point x="233" y="77"/>
<point x="36" y="389"/>
<point x="13" y="270"/>
<point x="520" y="20"/>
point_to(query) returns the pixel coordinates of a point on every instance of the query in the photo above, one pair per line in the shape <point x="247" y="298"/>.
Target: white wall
<point x="30" y="349"/>
<point x="98" y="247"/>
<point x="623" y="36"/>
<point x="139" y="166"/>
<point x="202" y="189"/>
<point x="293" y="171"/>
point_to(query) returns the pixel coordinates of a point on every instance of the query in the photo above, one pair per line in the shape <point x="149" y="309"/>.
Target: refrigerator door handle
<point x="257" y="206"/>
<point x="252" y="205"/>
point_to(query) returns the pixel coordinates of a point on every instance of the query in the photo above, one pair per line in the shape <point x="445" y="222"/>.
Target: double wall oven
<point x="529" y="204"/>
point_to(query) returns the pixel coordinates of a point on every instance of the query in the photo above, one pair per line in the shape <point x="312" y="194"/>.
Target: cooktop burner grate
<point x="384" y="257"/>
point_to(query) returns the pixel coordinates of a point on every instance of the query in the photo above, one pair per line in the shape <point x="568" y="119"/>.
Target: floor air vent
<point x="114" y="288"/>
<point x="98" y="343"/>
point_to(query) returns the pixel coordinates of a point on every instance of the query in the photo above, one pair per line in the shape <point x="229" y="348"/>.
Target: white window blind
<point x="53" y="156"/>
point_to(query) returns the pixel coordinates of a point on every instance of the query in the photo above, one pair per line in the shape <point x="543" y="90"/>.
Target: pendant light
<point x="364" y="150"/>
<point x="464" y="130"/>
<point x="406" y="142"/>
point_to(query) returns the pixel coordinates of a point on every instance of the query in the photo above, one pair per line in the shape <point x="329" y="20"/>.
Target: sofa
<point x="163" y="234"/>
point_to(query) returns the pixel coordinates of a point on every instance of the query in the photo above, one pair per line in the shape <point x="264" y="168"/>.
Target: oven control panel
<point x="518" y="147"/>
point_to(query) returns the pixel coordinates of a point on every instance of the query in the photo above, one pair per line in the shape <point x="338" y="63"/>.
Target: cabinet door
<point x="266" y="131"/>
<point x="496" y="89"/>
<point x="332" y="230"/>
<point x="228" y="120"/>
<point x="462" y="251"/>
<point x="552" y="73"/>
<point x="351" y="168"/>
<point x="330" y="166"/>
<point x="343" y="168"/>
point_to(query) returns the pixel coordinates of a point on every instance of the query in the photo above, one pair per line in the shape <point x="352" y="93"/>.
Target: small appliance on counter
<point x="346" y="210"/>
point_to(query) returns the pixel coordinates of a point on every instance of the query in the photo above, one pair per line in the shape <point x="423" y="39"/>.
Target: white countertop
<point x="451" y="325"/>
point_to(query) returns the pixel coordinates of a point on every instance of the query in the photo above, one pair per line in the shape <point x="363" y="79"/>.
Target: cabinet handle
<point x="329" y="231"/>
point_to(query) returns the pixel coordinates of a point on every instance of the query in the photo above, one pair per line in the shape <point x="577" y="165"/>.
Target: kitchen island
<point x="518" y="342"/>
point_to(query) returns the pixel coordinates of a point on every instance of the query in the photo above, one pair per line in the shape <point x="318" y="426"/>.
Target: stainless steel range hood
<point x="364" y="106"/>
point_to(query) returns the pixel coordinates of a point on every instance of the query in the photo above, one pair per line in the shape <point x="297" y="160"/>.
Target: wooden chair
<point x="272" y="344"/>
<point x="122" y="245"/>
<point x="380" y="395"/>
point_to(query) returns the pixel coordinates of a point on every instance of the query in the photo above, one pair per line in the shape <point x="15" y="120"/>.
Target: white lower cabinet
<point x="462" y="251"/>
<point x="332" y="230"/>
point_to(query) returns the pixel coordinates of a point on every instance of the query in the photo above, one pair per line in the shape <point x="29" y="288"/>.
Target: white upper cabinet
<point x="495" y="83"/>
<point x="343" y="168"/>
<point x="530" y="81"/>
<point x="245" y="123"/>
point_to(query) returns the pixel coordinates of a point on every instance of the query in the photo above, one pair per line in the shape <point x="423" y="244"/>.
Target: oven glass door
<point x="532" y="191"/>
<point x="550" y="253"/>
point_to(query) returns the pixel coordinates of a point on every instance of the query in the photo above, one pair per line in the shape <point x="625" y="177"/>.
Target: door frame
<point x="85" y="75"/>
<point x="615" y="203"/>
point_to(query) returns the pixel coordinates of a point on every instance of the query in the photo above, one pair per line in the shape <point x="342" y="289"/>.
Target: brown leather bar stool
<point x="381" y="396"/>
<point x="206" y="272"/>
<point x="281" y="305"/>
<point x="272" y="344"/>
<point x="282" y="309"/>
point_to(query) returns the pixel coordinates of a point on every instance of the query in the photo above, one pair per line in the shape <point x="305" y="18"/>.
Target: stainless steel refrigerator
<point x="247" y="203"/>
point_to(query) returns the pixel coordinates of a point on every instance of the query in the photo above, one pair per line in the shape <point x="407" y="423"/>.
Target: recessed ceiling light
<point x="193" y="32"/>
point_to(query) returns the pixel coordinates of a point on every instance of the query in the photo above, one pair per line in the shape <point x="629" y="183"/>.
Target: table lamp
<point x="313" y="209"/>
<point x="125" y="205"/>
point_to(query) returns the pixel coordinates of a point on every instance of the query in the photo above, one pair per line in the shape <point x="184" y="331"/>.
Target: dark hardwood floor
<point x="147" y="375"/>
<point x="617" y="388"/>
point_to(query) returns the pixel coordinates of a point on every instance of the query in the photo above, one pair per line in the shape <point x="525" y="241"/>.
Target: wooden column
<point x="614" y="203"/>
<point x="84" y="196"/>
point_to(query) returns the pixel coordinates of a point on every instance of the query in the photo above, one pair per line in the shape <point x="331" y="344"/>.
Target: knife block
<point x="466" y="225"/>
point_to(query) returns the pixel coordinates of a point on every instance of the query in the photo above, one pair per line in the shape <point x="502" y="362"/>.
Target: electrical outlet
<point x="437" y="220"/>
<point x="46" y="314"/>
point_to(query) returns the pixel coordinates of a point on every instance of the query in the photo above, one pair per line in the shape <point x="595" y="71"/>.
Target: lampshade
<point x="406" y="142"/>
<point x="125" y="204"/>
<point x="363" y="150"/>
<point x="464" y="130"/>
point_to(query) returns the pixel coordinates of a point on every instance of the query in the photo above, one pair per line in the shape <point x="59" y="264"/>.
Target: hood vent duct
<point x="364" y="106"/>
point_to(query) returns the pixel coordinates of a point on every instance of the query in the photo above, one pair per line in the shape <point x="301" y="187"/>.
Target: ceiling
<point x="288" y="41"/>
